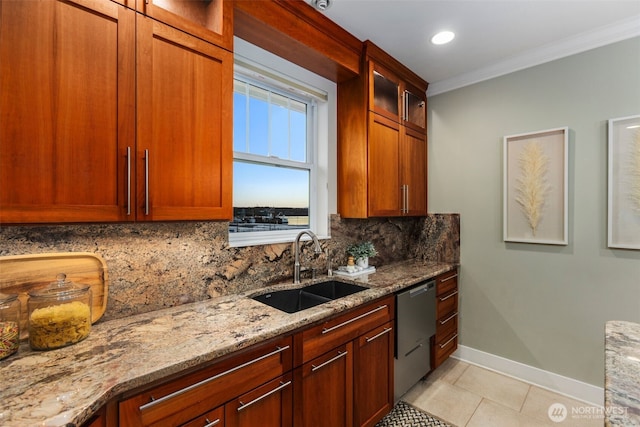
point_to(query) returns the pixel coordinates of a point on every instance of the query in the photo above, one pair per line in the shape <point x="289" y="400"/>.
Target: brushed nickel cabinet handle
<point x="267" y="394"/>
<point x="453" y="276"/>
<point x="211" y="423"/>
<point x="448" y="341"/>
<point x="146" y="182"/>
<point x="128" y="181"/>
<point x="449" y="296"/>
<point x="386" y="331"/>
<point x="169" y="396"/>
<point x="333" y="328"/>
<point x="333" y="359"/>
<point x="442" y="322"/>
<point x="406" y="195"/>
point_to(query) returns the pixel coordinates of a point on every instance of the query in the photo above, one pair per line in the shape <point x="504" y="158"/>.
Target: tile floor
<point x="466" y="395"/>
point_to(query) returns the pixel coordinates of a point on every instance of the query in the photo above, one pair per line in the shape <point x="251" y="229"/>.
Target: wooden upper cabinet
<point x="184" y="116"/>
<point x="210" y="20"/>
<point x="109" y="119"/>
<point x="67" y="108"/>
<point x="382" y="137"/>
<point x="396" y="99"/>
<point x="413" y="171"/>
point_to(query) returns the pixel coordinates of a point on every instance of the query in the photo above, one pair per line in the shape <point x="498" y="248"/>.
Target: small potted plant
<point x="361" y="253"/>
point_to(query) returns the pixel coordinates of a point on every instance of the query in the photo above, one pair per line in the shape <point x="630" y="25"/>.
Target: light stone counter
<point x="66" y="386"/>
<point x="622" y="374"/>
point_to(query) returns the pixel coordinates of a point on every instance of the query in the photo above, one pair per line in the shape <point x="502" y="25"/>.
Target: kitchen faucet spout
<point x="296" y="251"/>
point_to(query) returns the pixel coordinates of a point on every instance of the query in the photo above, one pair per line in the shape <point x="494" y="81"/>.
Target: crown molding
<point x="601" y="36"/>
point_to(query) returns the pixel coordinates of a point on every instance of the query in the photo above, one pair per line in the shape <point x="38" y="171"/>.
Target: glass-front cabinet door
<point x="385" y="93"/>
<point x="414" y="110"/>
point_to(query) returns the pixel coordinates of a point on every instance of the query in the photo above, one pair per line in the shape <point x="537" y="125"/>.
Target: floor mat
<point x="405" y="415"/>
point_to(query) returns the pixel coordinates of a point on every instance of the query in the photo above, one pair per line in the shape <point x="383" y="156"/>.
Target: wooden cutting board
<point x="21" y="274"/>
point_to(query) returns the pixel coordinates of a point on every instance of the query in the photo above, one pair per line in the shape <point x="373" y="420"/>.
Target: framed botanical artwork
<point x="624" y="183"/>
<point x="535" y="179"/>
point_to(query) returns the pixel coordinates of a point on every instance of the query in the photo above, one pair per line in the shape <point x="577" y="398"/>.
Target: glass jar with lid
<point x="59" y="315"/>
<point x="9" y="324"/>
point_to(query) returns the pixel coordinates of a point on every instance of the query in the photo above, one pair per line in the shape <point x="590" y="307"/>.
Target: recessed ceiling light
<point x="443" y="37"/>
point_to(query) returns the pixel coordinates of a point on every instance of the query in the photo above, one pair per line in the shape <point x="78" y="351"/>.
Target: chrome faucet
<point x="296" y="250"/>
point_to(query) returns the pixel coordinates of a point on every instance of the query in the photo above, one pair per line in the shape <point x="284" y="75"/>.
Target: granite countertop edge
<point x="622" y="371"/>
<point x="65" y="387"/>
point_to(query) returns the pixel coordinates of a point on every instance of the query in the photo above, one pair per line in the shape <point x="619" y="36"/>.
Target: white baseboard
<point x="548" y="380"/>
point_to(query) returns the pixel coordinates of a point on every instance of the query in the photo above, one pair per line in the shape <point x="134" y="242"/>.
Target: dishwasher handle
<point x="419" y="290"/>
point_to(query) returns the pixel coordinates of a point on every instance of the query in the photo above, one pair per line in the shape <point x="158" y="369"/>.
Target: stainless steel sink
<point x="294" y="300"/>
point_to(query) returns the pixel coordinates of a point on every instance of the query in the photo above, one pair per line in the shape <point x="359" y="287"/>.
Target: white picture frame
<point x="623" y="183"/>
<point x="535" y="180"/>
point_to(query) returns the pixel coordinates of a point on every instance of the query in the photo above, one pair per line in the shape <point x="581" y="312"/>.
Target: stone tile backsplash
<point x="157" y="265"/>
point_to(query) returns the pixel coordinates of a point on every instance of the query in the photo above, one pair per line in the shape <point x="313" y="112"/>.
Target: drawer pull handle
<point x="442" y="322"/>
<point x="449" y="296"/>
<point x="211" y="423"/>
<point x="213" y="378"/>
<point x="333" y="328"/>
<point x="267" y="394"/>
<point x="448" y="341"/>
<point x="453" y="276"/>
<point x="333" y="359"/>
<point x="414" y="349"/>
<point x="386" y="331"/>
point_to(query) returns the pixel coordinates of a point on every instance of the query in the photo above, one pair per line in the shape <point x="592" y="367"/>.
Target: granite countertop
<point x="66" y="386"/>
<point x="622" y="374"/>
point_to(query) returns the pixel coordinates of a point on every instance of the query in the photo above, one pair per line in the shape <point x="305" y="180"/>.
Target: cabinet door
<point x="269" y="405"/>
<point x="383" y="159"/>
<point x="413" y="170"/>
<point x="67" y="109"/>
<point x="415" y="111"/>
<point x="324" y="390"/>
<point x="210" y="20"/>
<point x="184" y="125"/>
<point x="384" y="92"/>
<point x="373" y="375"/>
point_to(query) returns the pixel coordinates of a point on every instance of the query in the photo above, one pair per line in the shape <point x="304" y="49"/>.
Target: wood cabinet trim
<point x="295" y="31"/>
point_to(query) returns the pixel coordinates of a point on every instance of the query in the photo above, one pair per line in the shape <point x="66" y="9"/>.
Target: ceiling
<point x="492" y="37"/>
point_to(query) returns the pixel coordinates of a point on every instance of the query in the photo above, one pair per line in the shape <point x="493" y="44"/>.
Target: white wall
<point x="544" y="306"/>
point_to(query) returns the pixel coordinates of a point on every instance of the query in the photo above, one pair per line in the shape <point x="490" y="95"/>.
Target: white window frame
<point x="257" y="65"/>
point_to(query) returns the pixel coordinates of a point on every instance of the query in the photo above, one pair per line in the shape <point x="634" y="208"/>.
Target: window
<point x="280" y="158"/>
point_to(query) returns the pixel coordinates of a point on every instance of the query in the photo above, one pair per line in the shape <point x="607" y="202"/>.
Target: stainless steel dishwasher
<point x="415" y="324"/>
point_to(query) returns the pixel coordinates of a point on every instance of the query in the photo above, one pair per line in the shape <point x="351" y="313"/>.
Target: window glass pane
<point x="258" y="121"/>
<point x="298" y="135"/>
<point x="279" y="129"/>
<point x="239" y="121"/>
<point x="267" y="197"/>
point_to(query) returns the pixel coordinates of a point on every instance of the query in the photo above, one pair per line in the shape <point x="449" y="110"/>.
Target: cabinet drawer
<point x="320" y="339"/>
<point x="446" y="326"/>
<point x="269" y="405"/>
<point x="446" y="304"/>
<point x="446" y="282"/>
<point x="178" y="401"/>
<point x="444" y="348"/>
<point x="214" y="418"/>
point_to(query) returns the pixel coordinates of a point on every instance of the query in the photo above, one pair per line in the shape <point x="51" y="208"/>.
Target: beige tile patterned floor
<point x="466" y="395"/>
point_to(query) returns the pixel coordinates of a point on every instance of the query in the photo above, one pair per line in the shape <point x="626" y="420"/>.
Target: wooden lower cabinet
<point x="180" y="400"/>
<point x="335" y="373"/>
<point x="446" y="338"/>
<point x="269" y="405"/>
<point x="373" y="375"/>
<point x="351" y="382"/>
<point x="323" y="389"/>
